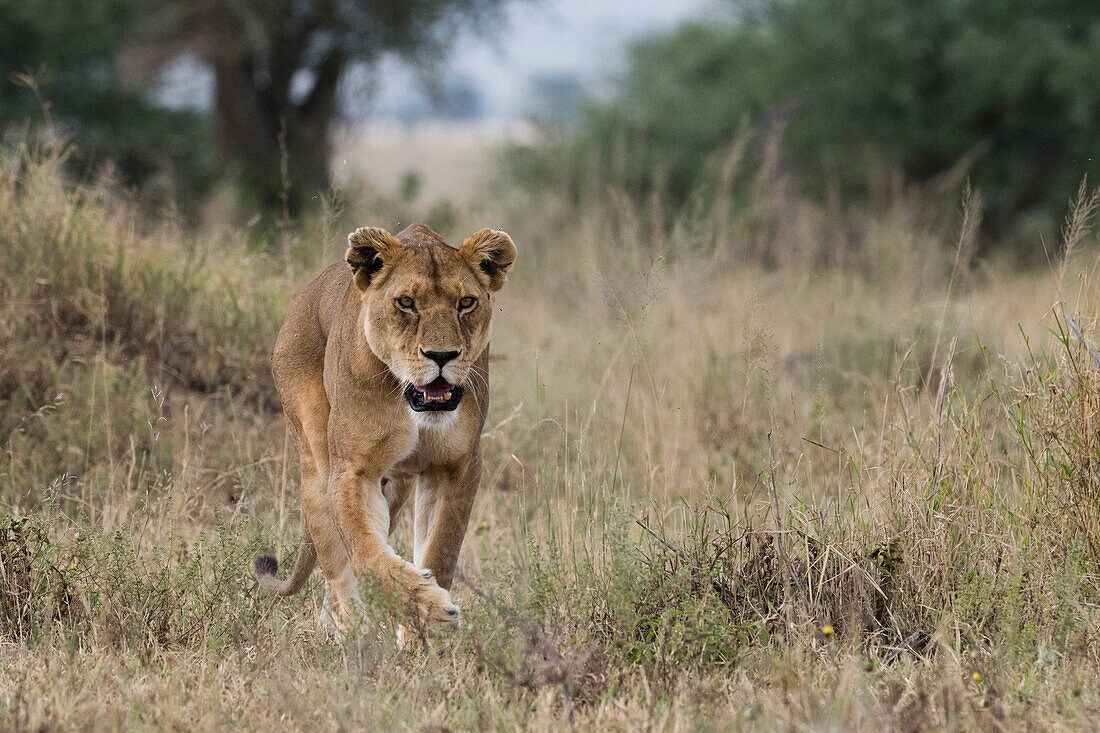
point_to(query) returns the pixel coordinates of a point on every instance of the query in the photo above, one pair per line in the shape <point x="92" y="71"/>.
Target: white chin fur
<point x="436" y="420"/>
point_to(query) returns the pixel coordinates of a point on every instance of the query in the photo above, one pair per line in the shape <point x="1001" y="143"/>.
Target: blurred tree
<point x="277" y="67"/>
<point x="556" y="99"/>
<point x="57" y="63"/>
<point x="1009" y="89"/>
<point x="455" y="98"/>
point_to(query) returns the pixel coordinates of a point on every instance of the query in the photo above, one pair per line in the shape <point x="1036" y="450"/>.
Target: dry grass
<point x="934" y="431"/>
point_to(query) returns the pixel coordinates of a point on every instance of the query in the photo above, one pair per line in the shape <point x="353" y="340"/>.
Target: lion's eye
<point x="406" y="302"/>
<point x="467" y="303"/>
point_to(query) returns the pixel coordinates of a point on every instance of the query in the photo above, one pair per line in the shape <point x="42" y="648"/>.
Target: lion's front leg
<point x="444" y="499"/>
<point x="362" y="515"/>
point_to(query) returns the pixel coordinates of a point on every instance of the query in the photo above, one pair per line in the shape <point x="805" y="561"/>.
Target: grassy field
<point x="852" y="484"/>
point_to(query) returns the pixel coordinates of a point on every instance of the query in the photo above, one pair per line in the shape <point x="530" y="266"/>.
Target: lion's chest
<point x="433" y="446"/>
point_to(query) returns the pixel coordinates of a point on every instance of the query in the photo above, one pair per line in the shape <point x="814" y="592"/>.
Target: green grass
<point x="939" y="506"/>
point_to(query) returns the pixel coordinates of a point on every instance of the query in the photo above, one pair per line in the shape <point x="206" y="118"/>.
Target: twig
<point x="939" y="416"/>
<point x="661" y="539"/>
<point x="622" y="429"/>
<point x="1081" y="337"/>
<point x="779" y="526"/>
<point x="720" y="586"/>
<point x="915" y="642"/>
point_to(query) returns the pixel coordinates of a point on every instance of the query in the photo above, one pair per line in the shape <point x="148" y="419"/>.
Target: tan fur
<point x="342" y="360"/>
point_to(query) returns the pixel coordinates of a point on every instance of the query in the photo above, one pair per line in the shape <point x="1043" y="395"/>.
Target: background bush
<point x="1002" y="92"/>
<point x="57" y="62"/>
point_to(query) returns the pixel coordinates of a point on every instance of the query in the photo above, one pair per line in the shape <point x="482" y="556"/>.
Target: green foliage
<point x="1005" y="92"/>
<point x="58" y="63"/>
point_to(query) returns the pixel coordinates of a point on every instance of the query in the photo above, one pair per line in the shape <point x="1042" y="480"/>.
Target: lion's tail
<point x="266" y="567"/>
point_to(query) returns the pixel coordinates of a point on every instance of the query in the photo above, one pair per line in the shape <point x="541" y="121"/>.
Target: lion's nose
<point x="440" y="357"/>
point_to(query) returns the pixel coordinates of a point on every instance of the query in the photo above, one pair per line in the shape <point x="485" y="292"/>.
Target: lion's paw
<point x="436" y="606"/>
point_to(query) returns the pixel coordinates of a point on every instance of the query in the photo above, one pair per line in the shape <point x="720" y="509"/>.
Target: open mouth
<point x="439" y="395"/>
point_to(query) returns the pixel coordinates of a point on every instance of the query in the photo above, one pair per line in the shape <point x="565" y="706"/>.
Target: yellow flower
<point x="976" y="677"/>
<point x="73" y="566"/>
<point x="827" y="630"/>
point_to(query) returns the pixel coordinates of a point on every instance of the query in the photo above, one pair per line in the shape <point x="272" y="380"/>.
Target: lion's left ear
<point x="491" y="253"/>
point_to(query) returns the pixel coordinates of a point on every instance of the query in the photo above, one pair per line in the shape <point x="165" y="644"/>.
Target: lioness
<point x="382" y="367"/>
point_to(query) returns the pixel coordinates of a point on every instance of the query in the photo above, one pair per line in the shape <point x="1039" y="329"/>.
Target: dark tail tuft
<point x="266" y="565"/>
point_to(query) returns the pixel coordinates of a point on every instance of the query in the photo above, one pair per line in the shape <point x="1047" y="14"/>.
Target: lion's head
<point x="427" y="305"/>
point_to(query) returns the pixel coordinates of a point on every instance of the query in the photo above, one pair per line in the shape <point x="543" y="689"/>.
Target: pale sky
<point x="583" y="37"/>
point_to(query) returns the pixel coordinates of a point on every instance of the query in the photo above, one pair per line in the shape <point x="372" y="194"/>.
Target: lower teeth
<point x="445" y="397"/>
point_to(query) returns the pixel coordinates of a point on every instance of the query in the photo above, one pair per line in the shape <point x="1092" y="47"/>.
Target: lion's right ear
<point x="368" y="250"/>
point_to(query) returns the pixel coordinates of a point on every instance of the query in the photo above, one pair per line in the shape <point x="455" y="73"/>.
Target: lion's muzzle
<point x="436" y="396"/>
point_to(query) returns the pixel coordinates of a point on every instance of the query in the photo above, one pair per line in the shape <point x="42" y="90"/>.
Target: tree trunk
<point x="279" y="150"/>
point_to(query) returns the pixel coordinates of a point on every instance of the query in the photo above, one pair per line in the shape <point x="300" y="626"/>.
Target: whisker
<point x="479" y="380"/>
<point x="401" y="386"/>
<point x="475" y="378"/>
